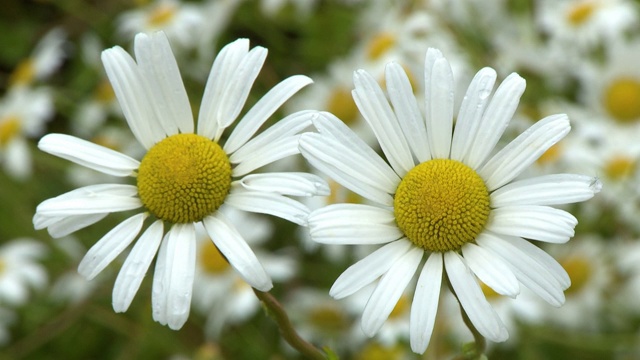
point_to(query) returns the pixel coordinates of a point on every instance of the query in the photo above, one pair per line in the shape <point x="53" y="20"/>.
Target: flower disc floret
<point x="441" y="204"/>
<point x="184" y="178"/>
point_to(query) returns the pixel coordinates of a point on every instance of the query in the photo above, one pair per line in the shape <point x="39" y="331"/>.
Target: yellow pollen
<point x="184" y="178"/>
<point x="23" y="74"/>
<point x="580" y="13"/>
<point x="551" y="155"/>
<point x="380" y="45"/>
<point x="161" y="15"/>
<point x="441" y="204"/>
<point x="211" y="260"/>
<point x="579" y="270"/>
<point x="622" y="99"/>
<point x="9" y="128"/>
<point x="341" y="104"/>
<point x="620" y="167"/>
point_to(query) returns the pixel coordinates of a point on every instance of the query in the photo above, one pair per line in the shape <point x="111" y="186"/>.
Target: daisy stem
<point x="286" y="328"/>
<point x="479" y="340"/>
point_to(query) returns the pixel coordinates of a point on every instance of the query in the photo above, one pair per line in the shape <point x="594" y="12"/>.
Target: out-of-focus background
<point x="579" y="57"/>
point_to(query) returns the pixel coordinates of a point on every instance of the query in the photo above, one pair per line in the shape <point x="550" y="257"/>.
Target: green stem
<point x="286" y="328"/>
<point x="479" y="340"/>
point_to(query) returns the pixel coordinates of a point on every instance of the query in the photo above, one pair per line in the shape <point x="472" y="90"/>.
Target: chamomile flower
<point x="20" y="270"/>
<point x="445" y="197"/>
<point x="186" y="176"/>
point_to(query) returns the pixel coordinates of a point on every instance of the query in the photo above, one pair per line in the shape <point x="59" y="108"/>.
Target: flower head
<point x="186" y="177"/>
<point x="444" y="195"/>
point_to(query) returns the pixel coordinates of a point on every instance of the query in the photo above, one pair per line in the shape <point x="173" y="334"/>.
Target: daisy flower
<point x="445" y="197"/>
<point x="186" y="176"/>
<point x="20" y="270"/>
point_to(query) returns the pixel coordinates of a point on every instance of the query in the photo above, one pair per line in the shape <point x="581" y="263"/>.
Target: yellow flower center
<point x="211" y="260"/>
<point x="622" y="99"/>
<point x="579" y="270"/>
<point x="488" y="292"/>
<point x="620" y="167"/>
<point x="104" y="93"/>
<point x="551" y="155"/>
<point x="581" y="12"/>
<point x="375" y="351"/>
<point x="161" y="15"/>
<point x="379" y="45"/>
<point x="402" y="307"/>
<point x="9" y="128"/>
<point x="441" y="204"/>
<point x="184" y="178"/>
<point x="23" y="74"/>
<point x="341" y="104"/>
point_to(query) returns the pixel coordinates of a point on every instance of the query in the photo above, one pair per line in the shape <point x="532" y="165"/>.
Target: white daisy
<point x="186" y="177"/>
<point x="444" y="195"/>
<point x="43" y="61"/>
<point x="20" y="270"/>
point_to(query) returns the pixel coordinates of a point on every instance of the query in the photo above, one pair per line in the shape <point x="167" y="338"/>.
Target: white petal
<point x="439" y="97"/>
<point x="547" y="190"/>
<point x="533" y="222"/>
<point x="472" y="300"/>
<point x="524" y="150"/>
<point x="237" y="89"/>
<point x="352" y="170"/>
<point x="67" y="225"/>
<point x="135" y="266"/>
<point x="263" y="109"/>
<point x="231" y="244"/>
<point x="373" y="105"/>
<point x="277" y="150"/>
<point x="284" y="128"/>
<point x="469" y="119"/>
<point x="291" y="183"/>
<point x="528" y="271"/>
<point x="128" y="86"/>
<point x="353" y="224"/>
<point x="160" y="291"/>
<point x="160" y="72"/>
<point x="491" y="270"/>
<point x="388" y="291"/>
<point x="181" y="248"/>
<point x="544" y="259"/>
<point x="367" y="270"/>
<point x="407" y="111"/>
<point x="329" y="125"/>
<point x="496" y="118"/>
<point x="110" y="246"/>
<point x="425" y="303"/>
<point x="268" y="203"/>
<point x="89" y="204"/>
<point x="222" y="73"/>
<point x="88" y="154"/>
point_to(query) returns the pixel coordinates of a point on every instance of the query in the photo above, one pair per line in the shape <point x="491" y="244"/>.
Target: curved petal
<point x="407" y="111"/>
<point x="472" y="300"/>
<point x="528" y="271"/>
<point x="524" y="150"/>
<point x="544" y="259"/>
<point x="135" y="266"/>
<point x="181" y="253"/>
<point x="263" y="109"/>
<point x="547" y="190"/>
<point x="159" y="290"/>
<point x="286" y="183"/>
<point x="159" y="70"/>
<point x="277" y="150"/>
<point x="110" y="246"/>
<point x="533" y="222"/>
<point x="439" y="98"/>
<point x="425" y="303"/>
<point x="128" y="85"/>
<point x="469" y="119"/>
<point x="222" y="73"/>
<point x="353" y="224"/>
<point x="68" y="225"/>
<point x="92" y="199"/>
<point x="367" y="270"/>
<point x="496" y="118"/>
<point x="388" y="291"/>
<point x="352" y="170"/>
<point x="491" y="270"/>
<point x="268" y="203"/>
<point x="376" y="110"/>
<point x="88" y="154"/>
<point x="231" y="244"/>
